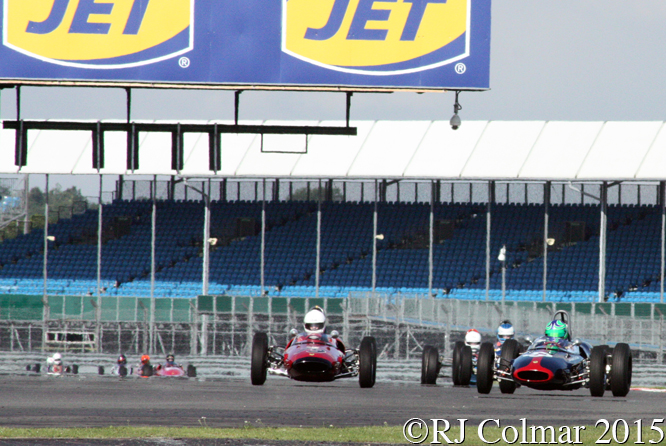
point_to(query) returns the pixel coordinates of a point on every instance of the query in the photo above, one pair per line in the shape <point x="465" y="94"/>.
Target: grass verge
<point x="583" y="435"/>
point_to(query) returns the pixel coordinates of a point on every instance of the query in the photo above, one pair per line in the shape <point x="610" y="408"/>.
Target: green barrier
<point x="602" y="308"/>
<point x="182" y="310"/>
<point x="643" y="310"/>
<point x="280" y="305"/>
<point x="20" y="307"/>
<point x="583" y="308"/>
<point x="223" y="304"/>
<point x="334" y="305"/>
<point x="623" y="309"/>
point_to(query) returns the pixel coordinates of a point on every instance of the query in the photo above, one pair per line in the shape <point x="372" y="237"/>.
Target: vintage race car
<point x="315" y="358"/>
<point x="147" y="370"/>
<point x="121" y="370"/>
<point x="54" y="369"/>
<point x="556" y="364"/>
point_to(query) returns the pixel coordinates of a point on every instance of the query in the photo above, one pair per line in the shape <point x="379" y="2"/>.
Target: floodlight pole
<point x="374" y="244"/>
<point x="431" y="236"/>
<point x="98" y="308"/>
<point x="206" y="243"/>
<point x="662" y="204"/>
<point x="318" y="261"/>
<point x="263" y="239"/>
<point x="153" y="224"/>
<point x="491" y="199"/>
<point x="602" y="241"/>
<point x="546" y="210"/>
<point x="45" y="297"/>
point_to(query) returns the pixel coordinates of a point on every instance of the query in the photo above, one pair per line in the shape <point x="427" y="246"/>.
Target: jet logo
<point x="99" y="33"/>
<point x="377" y="37"/>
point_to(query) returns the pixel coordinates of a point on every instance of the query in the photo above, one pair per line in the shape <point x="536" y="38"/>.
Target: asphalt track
<point x="75" y="401"/>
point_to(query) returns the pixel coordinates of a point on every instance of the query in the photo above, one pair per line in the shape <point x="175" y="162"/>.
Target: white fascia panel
<point x="154" y="154"/>
<point x="560" y="150"/>
<point x="652" y="166"/>
<point x="443" y="151"/>
<point x="269" y="163"/>
<point x="195" y="154"/>
<point x="502" y="149"/>
<point x="388" y="149"/>
<point x="619" y="150"/>
<point x="331" y="156"/>
<point x="115" y="153"/>
<point x="7" y="147"/>
<point x="55" y="151"/>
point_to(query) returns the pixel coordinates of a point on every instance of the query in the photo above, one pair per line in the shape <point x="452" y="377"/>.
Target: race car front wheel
<point x="259" y="365"/>
<point x="484" y="368"/>
<point x="621" y="370"/>
<point x="191" y="371"/>
<point x="455" y="364"/>
<point x="510" y="351"/>
<point x="367" y="362"/>
<point x="465" y="366"/>
<point x="598" y="371"/>
<point x="429" y="365"/>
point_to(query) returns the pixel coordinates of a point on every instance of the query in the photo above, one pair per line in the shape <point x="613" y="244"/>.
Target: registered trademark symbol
<point x="460" y="68"/>
<point x="184" y="62"/>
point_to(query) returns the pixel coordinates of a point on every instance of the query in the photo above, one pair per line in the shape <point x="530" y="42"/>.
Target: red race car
<point x="314" y="357"/>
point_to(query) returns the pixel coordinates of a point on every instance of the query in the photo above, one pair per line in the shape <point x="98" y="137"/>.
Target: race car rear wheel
<point x="191" y="371"/>
<point x="122" y="371"/>
<point x="465" y="367"/>
<point x="510" y="351"/>
<point x="598" y="371"/>
<point x="259" y="365"/>
<point x="621" y="370"/>
<point x="367" y="362"/>
<point x="455" y="364"/>
<point x="429" y="365"/>
<point x="75" y="369"/>
<point x="147" y="370"/>
<point x="484" y="368"/>
<point x="100" y="370"/>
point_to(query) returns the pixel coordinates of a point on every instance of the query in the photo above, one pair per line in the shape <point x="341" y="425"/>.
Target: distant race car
<point x="54" y="367"/>
<point x="317" y="357"/>
<point x="175" y="370"/>
<point x="121" y="370"/>
<point x="556" y="364"/>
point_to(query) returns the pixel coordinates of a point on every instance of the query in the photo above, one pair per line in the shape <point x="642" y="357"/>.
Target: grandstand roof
<point x="501" y="150"/>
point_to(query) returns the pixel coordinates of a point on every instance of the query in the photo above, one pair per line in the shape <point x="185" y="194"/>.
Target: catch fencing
<point x="224" y="325"/>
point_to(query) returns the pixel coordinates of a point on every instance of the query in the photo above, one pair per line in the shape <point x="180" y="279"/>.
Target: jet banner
<point x="329" y="44"/>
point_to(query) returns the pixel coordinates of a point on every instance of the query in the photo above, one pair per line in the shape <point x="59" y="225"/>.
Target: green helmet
<point x="556" y="329"/>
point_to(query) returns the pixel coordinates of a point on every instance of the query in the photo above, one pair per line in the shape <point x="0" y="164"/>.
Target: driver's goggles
<point x="473" y="344"/>
<point x="505" y="336"/>
<point x="314" y="327"/>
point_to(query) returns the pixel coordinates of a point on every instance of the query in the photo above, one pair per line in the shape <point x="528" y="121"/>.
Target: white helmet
<point x="57" y="357"/>
<point x="505" y="331"/>
<point x="314" y="321"/>
<point x="473" y="339"/>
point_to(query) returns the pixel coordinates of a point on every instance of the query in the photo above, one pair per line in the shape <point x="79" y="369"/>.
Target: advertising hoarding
<point x="328" y="44"/>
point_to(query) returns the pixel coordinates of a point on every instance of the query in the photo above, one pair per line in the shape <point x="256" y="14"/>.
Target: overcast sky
<point x="550" y="60"/>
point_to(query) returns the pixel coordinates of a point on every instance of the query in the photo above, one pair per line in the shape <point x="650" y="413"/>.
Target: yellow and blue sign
<point x="395" y="44"/>
<point x="96" y="34"/>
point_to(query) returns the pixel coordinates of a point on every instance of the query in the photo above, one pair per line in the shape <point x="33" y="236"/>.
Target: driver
<point x="504" y="331"/>
<point x="170" y="361"/>
<point x="122" y="360"/>
<point x="557" y="330"/>
<point x="315" y="321"/>
<point x="473" y="340"/>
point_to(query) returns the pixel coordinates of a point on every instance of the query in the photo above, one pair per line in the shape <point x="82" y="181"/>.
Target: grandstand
<point x="375" y="227"/>
<point x="391" y="214"/>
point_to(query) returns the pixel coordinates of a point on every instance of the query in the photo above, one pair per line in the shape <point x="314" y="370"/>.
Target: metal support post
<point x="98" y="306"/>
<point x="263" y="241"/>
<point x="206" y="242"/>
<point x="546" y="210"/>
<point x="431" y="236"/>
<point x="374" y="244"/>
<point x="602" y="241"/>
<point x="318" y="247"/>
<point x="491" y="199"/>
<point x="153" y="224"/>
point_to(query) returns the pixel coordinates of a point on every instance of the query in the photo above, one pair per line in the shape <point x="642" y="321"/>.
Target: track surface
<point x="39" y="401"/>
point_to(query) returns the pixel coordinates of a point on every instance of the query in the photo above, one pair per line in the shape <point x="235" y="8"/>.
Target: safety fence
<point x="224" y="325"/>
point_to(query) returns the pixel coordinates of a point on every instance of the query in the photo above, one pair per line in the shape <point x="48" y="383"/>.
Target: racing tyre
<point x="465" y="367"/>
<point x="38" y="368"/>
<point x="75" y="369"/>
<point x="484" y="368"/>
<point x="191" y="371"/>
<point x="429" y="365"/>
<point x="598" y="371"/>
<point x="147" y="370"/>
<point x="510" y="351"/>
<point x="455" y="364"/>
<point x="100" y="370"/>
<point x="122" y="371"/>
<point x="367" y="362"/>
<point x="28" y="368"/>
<point x="621" y="369"/>
<point x="259" y="365"/>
